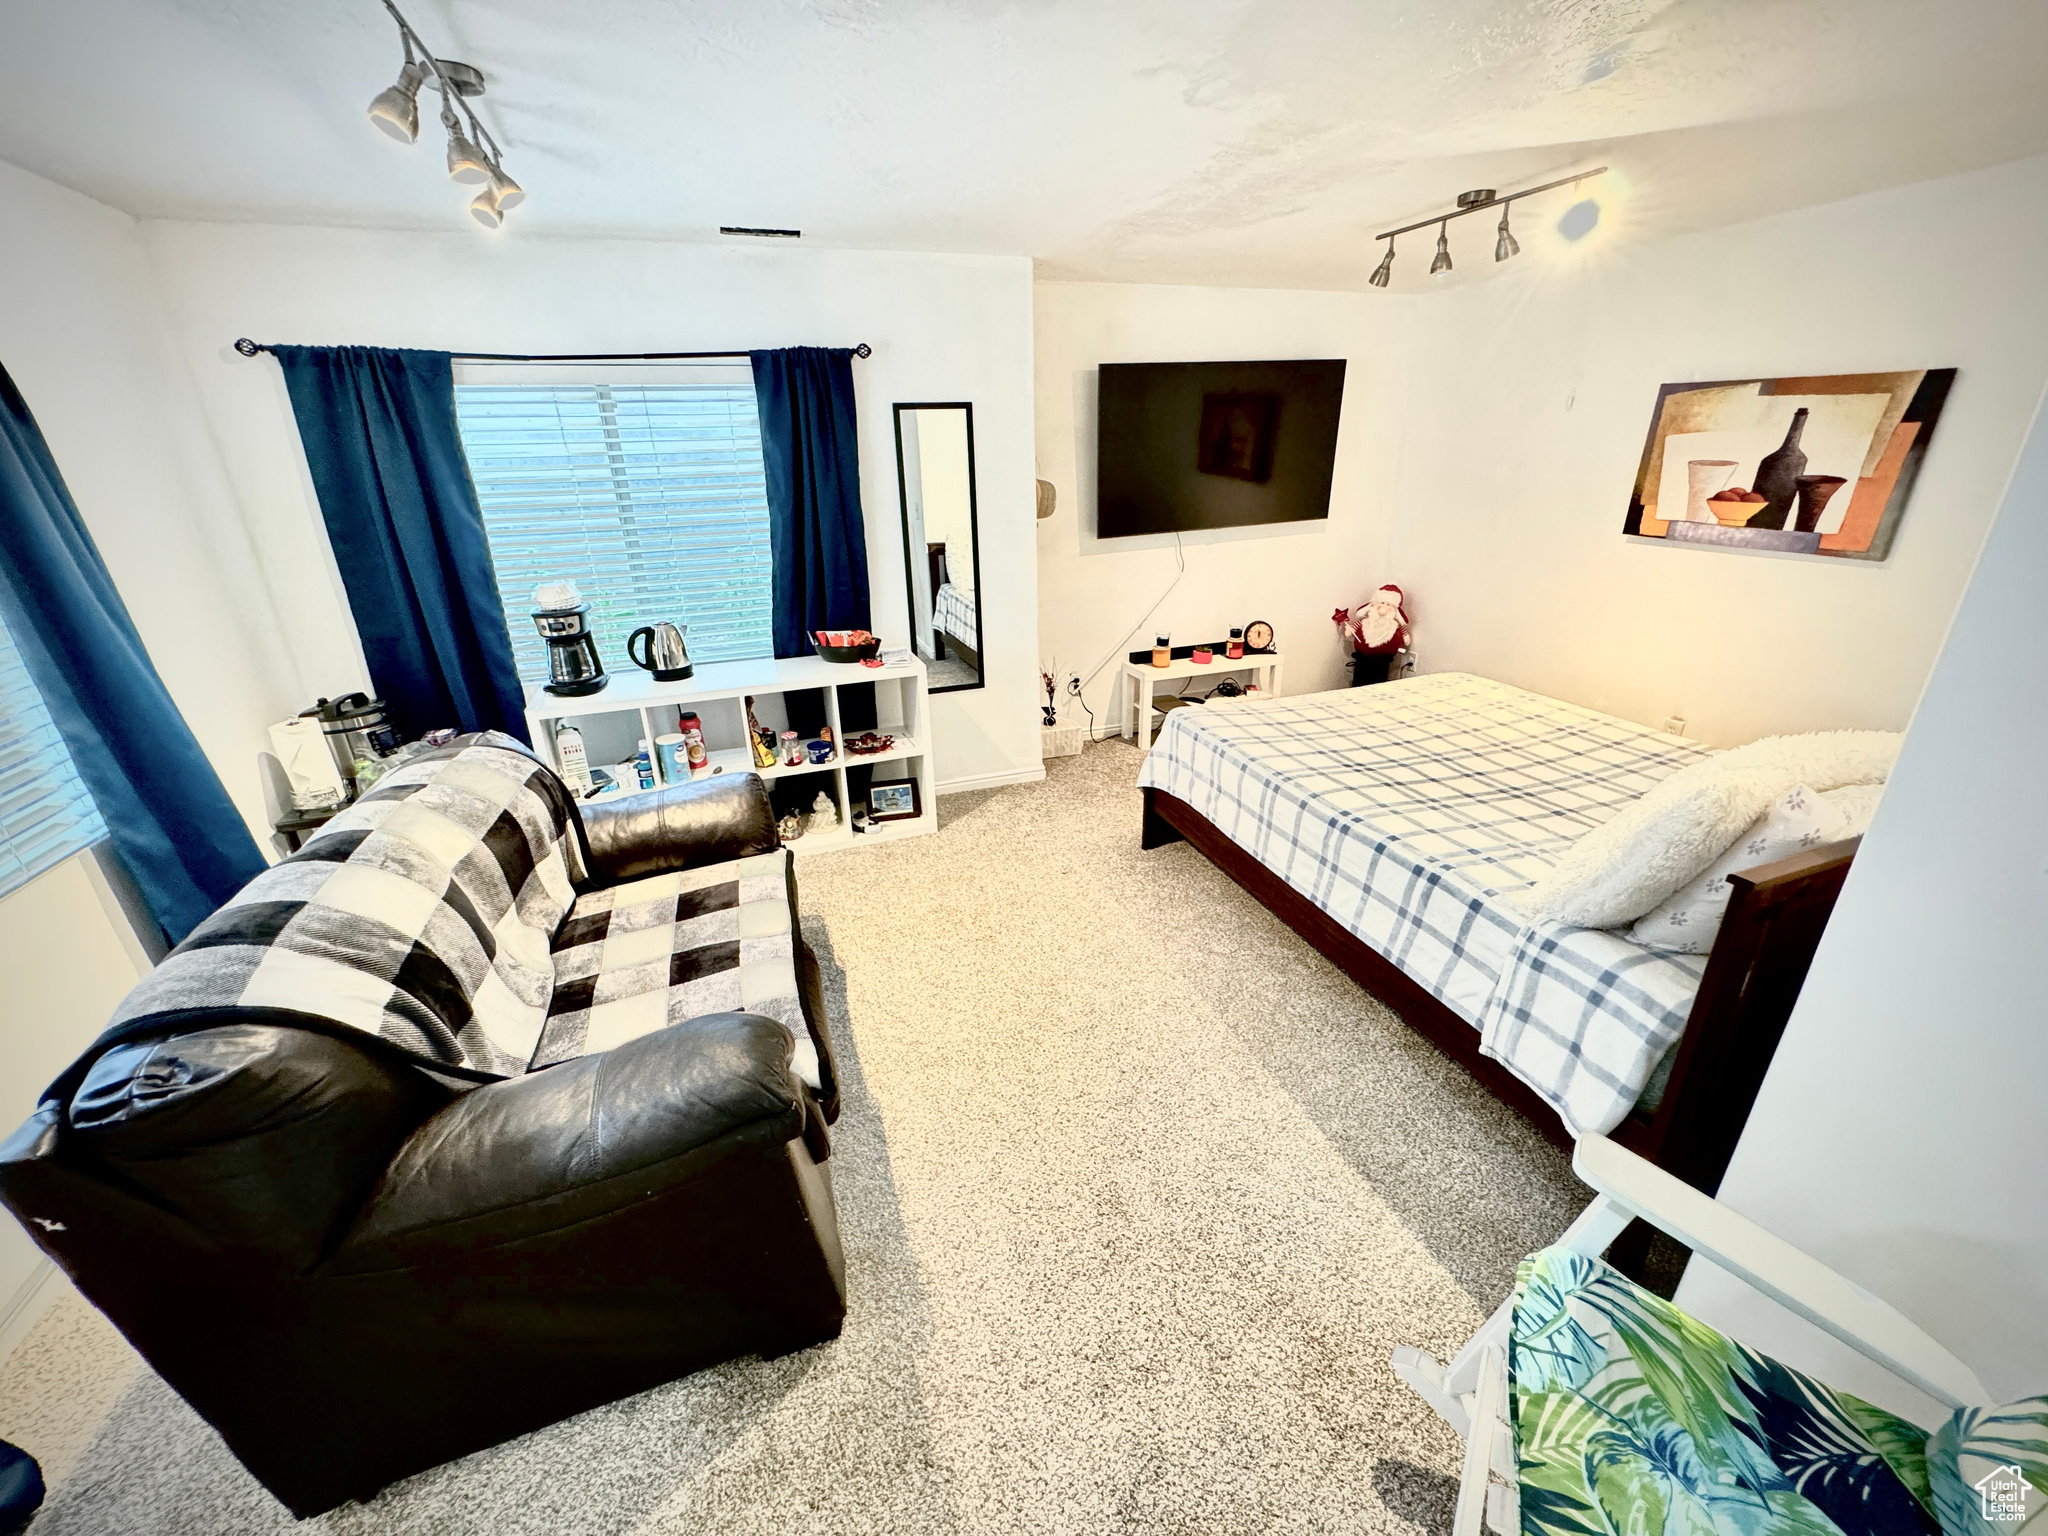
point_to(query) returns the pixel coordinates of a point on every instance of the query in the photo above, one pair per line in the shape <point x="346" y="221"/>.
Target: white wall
<point x="84" y="336"/>
<point x="1902" y="1135"/>
<point x="69" y="961"/>
<point x="942" y="328"/>
<point x="1091" y="592"/>
<point x="1525" y="402"/>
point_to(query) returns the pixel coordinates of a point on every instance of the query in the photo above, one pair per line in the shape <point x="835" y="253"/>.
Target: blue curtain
<point x="379" y="429"/>
<point x="815" y="533"/>
<point x="172" y="823"/>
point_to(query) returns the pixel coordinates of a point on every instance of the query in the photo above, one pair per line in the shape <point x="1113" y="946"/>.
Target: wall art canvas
<point x="1810" y="466"/>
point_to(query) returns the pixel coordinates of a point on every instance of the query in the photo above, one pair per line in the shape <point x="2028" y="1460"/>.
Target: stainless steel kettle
<point x="666" y="658"/>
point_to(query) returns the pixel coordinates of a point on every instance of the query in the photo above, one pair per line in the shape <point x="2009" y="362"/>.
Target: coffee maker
<point x="573" y="665"/>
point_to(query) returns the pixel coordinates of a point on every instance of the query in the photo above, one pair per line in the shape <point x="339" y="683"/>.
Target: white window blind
<point x="46" y="815"/>
<point x="650" y="496"/>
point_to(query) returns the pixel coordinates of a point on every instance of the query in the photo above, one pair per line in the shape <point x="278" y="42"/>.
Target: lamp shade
<point x="486" y="209"/>
<point x="396" y="110"/>
<point x="466" y="163"/>
<point x="1507" y="245"/>
<point x="1385" y="270"/>
<point x="1441" y="262"/>
<point x="506" y="192"/>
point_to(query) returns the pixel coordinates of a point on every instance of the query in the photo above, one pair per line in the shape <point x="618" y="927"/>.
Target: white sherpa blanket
<point x="1625" y="867"/>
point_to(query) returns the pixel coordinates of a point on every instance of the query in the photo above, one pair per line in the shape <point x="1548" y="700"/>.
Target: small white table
<point x="1140" y="676"/>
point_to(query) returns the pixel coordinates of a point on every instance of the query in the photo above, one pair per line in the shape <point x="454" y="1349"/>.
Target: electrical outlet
<point x="1675" y="724"/>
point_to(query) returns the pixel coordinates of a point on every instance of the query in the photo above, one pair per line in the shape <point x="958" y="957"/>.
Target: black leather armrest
<point x="706" y="821"/>
<point x="266" y="1137"/>
<point x="576" y="1141"/>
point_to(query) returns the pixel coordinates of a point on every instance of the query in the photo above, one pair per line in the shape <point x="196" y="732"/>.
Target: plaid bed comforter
<point x="1411" y="812"/>
<point x="423" y="914"/>
<point x="954" y="613"/>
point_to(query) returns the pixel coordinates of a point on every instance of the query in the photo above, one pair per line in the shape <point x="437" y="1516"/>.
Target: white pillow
<point x="1687" y="922"/>
<point x="1625" y="866"/>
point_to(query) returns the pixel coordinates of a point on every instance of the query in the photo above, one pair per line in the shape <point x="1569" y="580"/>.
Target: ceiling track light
<point x="1504" y="246"/>
<point x="474" y="158"/>
<point x="1385" y="270"/>
<point x="396" y="109"/>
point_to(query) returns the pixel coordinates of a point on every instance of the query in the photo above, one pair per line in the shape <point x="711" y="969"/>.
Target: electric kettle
<point x="666" y="658"/>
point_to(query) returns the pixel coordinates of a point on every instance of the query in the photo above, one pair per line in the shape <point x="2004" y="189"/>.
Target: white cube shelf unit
<point x="634" y="707"/>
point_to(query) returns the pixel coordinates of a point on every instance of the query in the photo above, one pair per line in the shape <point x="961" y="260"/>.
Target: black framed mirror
<point x="941" y="547"/>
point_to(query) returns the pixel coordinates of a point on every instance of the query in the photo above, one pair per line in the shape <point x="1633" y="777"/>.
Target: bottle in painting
<point x="693" y="740"/>
<point x="570" y="754"/>
<point x="1777" y="476"/>
<point x="1162" y="651"/>
<point x="1235" y="649"/>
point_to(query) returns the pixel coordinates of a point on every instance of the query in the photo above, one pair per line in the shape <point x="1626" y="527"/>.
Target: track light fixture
<point x="397" y="109"/>
<point x="474" y="158"/>
<point x="501" y="194"/>
<point x="485" y="210"/>
<point x="1504" y="246"/>
<point x="506" y="192"/>
<point x="466" y="163"/>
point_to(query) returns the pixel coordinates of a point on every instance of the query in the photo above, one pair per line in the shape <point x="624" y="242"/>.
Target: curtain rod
<point x="250" y="348"/>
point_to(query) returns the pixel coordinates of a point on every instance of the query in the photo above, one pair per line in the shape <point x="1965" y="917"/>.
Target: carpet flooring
<point x="1138" y="1193"/>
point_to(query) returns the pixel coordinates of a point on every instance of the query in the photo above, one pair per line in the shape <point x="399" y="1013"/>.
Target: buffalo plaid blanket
<point x="422" y="914"/>
<point x="654" y="952"/>
<point x="1412" y="812"/>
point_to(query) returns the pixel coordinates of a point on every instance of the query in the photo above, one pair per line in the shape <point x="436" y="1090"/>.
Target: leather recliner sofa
<point x="355" y="1271"/>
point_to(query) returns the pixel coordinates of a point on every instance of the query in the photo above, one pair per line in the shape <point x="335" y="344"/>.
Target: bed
<point x="954" y="617"/>
<point x="1392" y="826"/>
<point x="954" y="613"/>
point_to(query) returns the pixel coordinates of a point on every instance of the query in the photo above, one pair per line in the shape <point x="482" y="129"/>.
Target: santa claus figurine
<point x="1375" y="630"/>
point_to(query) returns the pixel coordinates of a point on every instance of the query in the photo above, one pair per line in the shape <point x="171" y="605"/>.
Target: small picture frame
<point x="894" y="800"/>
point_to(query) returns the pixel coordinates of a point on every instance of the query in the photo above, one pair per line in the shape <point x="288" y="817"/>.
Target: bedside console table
<point x="1140" y="676"/>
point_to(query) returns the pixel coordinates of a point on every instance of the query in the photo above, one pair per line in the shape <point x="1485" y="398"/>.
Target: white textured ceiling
<point x="1256" y="142"/>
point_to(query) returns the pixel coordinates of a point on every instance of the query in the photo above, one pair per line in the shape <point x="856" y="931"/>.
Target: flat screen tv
<point x="1184" y="446"/>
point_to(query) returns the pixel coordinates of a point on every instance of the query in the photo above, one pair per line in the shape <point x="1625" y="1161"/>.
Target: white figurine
<point x="824" y="813"/>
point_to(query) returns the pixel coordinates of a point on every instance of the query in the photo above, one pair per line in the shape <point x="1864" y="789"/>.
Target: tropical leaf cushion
<point x="1633" y="1419"/>
<point x="1989" y="1469"/>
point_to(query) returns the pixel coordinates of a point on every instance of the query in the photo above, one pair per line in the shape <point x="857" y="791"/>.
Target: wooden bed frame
<point x="1758" y="963"/>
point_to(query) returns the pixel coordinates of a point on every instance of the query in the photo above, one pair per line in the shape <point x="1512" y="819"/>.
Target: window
<point x="649" y="495"/>
<point x="46" y="815"/>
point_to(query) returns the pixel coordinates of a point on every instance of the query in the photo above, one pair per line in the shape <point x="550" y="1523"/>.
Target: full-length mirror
<point x="935" y="469"/>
